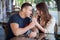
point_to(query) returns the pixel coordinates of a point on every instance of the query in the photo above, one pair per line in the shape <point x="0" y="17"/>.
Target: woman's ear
<point x="36" y="15"/>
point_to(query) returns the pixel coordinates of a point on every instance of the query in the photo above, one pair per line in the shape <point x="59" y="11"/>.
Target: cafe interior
<point x="10" y="7"/>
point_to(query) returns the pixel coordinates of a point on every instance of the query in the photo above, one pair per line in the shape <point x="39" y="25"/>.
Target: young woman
<point x="45" y="22"/>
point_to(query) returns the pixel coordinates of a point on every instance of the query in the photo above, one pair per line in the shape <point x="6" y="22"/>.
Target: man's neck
<point x="22" y="14"/>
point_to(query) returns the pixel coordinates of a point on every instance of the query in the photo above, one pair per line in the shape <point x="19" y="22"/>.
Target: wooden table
<point x="41" y="36"/>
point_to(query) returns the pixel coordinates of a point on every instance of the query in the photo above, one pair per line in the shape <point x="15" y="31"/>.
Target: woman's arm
<point x="49" y="27"/>
<point x="39" y="26"/>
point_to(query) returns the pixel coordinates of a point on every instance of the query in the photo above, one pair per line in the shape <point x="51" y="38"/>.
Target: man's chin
<point x="28" y="16"/>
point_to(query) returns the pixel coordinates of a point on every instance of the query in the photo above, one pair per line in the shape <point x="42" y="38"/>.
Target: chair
<point x="4" y="25"/>
<point x="55" y="29"/>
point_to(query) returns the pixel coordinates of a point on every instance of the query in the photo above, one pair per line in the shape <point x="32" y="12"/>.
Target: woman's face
<point x="39" y="12"/>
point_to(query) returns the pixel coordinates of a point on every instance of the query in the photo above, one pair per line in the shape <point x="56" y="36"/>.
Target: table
<point x="41" y="36"/>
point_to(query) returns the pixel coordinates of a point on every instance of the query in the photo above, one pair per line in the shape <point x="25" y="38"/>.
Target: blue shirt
<point x="23" y="22"/>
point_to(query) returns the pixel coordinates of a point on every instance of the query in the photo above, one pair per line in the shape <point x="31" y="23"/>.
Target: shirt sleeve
<point x="50" y="26"/>
<point x="13" y="20"/>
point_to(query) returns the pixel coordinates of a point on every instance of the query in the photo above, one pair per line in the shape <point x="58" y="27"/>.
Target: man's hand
<point x="32" y="24"/>
<point x="32" y="34"/>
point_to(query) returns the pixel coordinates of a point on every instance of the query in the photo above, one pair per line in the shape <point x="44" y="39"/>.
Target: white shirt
<point x="50" y="26"/>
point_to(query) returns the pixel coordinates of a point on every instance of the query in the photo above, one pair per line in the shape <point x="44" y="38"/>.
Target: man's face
<point x="28" y="11"/>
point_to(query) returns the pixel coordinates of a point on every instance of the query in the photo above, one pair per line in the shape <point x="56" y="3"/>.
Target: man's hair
<point x="25" y="5"/>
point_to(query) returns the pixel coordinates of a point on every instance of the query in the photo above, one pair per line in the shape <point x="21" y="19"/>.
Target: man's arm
<point x="19" y="31"/>
<point x="34" y="32"/>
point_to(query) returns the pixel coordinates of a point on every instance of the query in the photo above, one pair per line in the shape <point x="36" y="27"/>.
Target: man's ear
<point x="24" y="10"/>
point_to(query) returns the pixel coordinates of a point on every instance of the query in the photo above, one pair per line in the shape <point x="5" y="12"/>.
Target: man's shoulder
<point x="14" y="16"/>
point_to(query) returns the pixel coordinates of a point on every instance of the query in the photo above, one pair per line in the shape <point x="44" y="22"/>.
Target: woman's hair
<point x="45" y="16"/>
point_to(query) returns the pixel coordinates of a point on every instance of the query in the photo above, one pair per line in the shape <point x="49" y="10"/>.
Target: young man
<point x="20" y="23"/>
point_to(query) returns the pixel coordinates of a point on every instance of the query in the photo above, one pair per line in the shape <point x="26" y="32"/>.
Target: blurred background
<point x="9" y="7"/>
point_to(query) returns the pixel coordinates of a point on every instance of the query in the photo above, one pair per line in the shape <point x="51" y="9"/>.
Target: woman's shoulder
<point x="52" y="19"/>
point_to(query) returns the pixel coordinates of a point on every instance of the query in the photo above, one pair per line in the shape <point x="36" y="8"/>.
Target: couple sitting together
<point x="23" y="24"/>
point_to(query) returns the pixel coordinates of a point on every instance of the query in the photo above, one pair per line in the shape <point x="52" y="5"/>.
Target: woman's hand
<point x="38" y="25"/>
<point x="35" y="21"/>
